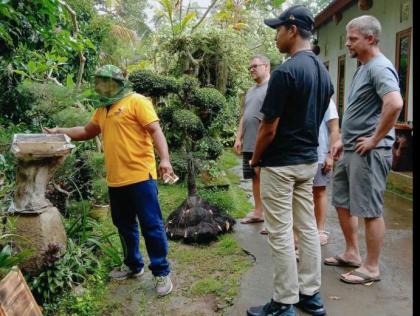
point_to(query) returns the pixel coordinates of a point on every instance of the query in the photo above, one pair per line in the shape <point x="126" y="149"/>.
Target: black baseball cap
<point x="298" y="15"/>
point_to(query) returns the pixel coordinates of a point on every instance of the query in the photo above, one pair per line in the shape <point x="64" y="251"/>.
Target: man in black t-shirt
<point x="297" y="97"/>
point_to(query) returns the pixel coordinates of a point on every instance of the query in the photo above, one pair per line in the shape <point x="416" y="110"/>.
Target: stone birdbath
<point x="36" y="219"/>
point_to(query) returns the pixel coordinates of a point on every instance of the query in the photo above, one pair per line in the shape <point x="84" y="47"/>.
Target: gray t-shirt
<point x="252" y="116"/>
<point x="371" y="82"/>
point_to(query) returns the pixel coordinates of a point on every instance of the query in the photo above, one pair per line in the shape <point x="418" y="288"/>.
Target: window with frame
<point x="341" y="86"/>
<point x="402" y="63"/>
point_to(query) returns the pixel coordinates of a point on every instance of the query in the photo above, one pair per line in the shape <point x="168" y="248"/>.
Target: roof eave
<point x="334" y="7"/>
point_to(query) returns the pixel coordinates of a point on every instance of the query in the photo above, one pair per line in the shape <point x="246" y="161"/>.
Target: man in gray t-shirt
<point x="373" y="106"/>
<point x="246" y="135"/>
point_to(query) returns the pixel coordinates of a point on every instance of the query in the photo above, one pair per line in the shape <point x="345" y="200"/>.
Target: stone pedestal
<point x="38" y="231"/>
<point x="37" y="221"/>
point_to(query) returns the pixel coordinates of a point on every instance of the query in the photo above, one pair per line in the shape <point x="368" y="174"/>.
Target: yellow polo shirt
<point x="128" y="147"/>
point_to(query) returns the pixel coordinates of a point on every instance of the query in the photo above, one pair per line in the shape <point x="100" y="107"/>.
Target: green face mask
<point x="103" y="100"/>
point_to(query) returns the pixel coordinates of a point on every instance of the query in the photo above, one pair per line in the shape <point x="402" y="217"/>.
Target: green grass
<point x="199" y="270"/>
<point x="228" y="159"/>
<point x="398" y="191"/>
<point x="234" y="201"/>
<point x="400" y="185"/>
<point x="206" y="286"/>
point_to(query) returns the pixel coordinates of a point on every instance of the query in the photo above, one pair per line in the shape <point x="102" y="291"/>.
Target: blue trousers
<point x="134" y="202"/>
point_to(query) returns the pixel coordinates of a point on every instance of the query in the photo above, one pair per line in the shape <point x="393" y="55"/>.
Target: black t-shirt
<point x="298" y="93"/>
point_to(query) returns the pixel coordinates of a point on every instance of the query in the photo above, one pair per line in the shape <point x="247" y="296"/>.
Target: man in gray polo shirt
<point x="374" y="103"/>
<point x="246" y="135"/>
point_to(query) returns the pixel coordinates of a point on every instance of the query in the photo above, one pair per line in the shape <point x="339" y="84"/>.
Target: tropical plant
<point x="60" y="273"/>
<point x="10" y="255"/>
<point x="80" y="227"/>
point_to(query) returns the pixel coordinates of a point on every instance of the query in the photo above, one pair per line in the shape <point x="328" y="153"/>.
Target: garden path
<point x="392" y="296"/>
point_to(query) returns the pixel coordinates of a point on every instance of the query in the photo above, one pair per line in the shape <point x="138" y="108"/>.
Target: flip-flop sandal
<point x="264" y="231"/>
<point x="365" y="278"/>
<point x="252" y="220"/>
<point x="340" y="262"/>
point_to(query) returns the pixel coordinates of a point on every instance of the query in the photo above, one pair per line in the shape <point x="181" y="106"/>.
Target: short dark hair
<point x="316" y="49"/>
<point x="305" y="34"/>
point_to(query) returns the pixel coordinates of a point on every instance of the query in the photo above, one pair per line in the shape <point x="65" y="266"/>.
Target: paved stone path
<point x="391" y="296"/>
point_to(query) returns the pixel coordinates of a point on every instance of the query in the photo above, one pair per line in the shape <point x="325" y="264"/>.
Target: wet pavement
<point x="393" y="295"/>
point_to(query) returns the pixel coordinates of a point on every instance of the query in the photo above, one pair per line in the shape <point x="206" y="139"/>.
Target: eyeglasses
<point x="255" y="66"/>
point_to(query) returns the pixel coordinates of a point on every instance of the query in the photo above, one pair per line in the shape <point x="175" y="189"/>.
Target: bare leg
<point x="375" y="232"/>
<point x="321" y="205"/>
<point x="348" y="225"/>
<point x="256" y="192"/>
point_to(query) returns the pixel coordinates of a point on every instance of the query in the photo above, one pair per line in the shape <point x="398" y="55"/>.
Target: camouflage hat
<point x="110" y="71"/>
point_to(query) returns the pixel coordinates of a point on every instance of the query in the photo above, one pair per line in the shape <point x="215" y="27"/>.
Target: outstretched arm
<point x="89" y="131"/>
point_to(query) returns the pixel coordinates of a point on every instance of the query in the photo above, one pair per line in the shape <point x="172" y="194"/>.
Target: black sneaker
<point x="272" y="308"/>
<point x="311" y="304"/>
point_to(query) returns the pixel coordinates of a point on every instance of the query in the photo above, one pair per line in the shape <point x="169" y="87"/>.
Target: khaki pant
<point x="286" y="194"/>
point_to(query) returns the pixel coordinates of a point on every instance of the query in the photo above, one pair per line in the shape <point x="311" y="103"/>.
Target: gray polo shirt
<point x="371" y="82"/>
<point x="252" y="116"/>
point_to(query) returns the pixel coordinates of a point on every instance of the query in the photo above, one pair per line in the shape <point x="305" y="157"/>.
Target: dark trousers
<point x="140" y="201"/>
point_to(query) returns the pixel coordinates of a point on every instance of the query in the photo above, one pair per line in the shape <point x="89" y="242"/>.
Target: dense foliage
<point x="151" y="84"/>
<point x="191" y="61"/>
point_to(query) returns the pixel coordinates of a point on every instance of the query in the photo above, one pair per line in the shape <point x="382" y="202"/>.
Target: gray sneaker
<point x="163" y="285"/>
<point x="125" y="272"/>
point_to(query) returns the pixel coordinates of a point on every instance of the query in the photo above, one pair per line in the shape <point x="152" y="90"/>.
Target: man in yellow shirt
<point x="129" y="127"/>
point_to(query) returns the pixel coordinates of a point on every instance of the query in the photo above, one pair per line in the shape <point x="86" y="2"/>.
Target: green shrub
<point x="187" y="85"/>
<point x="179" y="164"/>
<point x="96" y="163"/>
<point x="151" y="84"/>
<point x="166" y="114"/>
<point x="100" y="191"/>
<point x="79" y="226"/>
<point x="59" y="274"/>
<point x="226" y="122"/>
<point x="85" y="303"/>
<point x="211" y="147"/>
<point x="188" y="123"/>
<point x="54" y="105"/>
<point x="209" y="101"/>
<point x="70" y="117"/>
<point x="76" y="208"/>
<point x="10" y="255"/>
<point x="173" y="137"/>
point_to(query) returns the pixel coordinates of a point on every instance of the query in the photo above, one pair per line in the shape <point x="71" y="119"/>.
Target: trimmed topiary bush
<point x="189" y="123"/>
<point x="210" y="147"/>
<point x="209" y="102"/>
<point x="151" y="84"/>
<point x="186" y="123"/>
